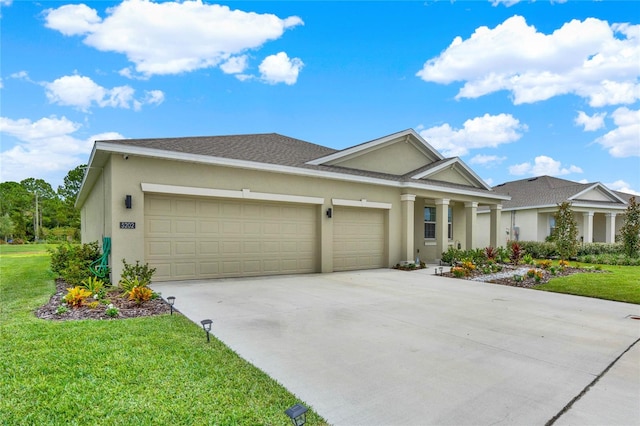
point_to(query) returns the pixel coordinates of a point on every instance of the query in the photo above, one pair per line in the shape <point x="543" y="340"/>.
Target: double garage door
<point x="198" y="238"/>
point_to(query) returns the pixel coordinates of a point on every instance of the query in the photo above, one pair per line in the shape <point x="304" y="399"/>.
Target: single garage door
<point x="196" y="238"/>
<point x="358" y="238"/>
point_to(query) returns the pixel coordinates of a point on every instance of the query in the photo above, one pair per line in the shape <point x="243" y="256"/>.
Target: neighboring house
<point x="263" y="204"/>
<point x="528" y="215"/>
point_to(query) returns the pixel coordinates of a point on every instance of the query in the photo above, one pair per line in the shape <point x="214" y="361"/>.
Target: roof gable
<point x="396" y="154"/>
<point x="597" y="192"/>
<point x="451" y="170"/>
<point x="547" y="191"/>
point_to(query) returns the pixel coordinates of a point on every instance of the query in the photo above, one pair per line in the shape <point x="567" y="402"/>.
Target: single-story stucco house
<point x="529" y="213"/>
<point x="264" y="204"/>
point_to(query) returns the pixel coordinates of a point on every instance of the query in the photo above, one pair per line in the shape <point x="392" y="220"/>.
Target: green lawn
<point x="139" y="371"/>
<point x="621" y="283"/>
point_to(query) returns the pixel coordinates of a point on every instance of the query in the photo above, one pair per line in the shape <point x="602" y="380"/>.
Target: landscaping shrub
<point x="140" y="294"/>
<point x="610" y="259"/>
<point x="600" y="248"/>
<point x="452" y="255"/>
<point x="565" y="233"/>
<point x="538" y="249"/>
<point x="515" y="252"/>
<point x="544" y="264"/>
<point x="71" y="261"/>
<point x="458" y="272"/>
<point x="490" y="253"/>
<point x="142" y="273"/>
<point x="127" y="285"/>
<point x="76" y="296"/>
<point x="630" y="231"/>
<point x="95" y="285"/>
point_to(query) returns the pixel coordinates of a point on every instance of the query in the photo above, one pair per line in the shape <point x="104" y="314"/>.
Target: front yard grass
<point x="621" y="283"/>
<point x="142" y="371"/>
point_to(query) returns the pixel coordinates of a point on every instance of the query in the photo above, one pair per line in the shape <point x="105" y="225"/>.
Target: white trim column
<point x="407" y="203"/>
<point x="494" y="227"/>
<point x="610" y="229"/>
<point x="442" y="226"/>
<point x="471" y="210"/>
<point x="587" y="227"/>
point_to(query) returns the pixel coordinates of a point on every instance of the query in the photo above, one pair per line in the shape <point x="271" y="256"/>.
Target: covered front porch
<point x="593" y="226"/>
<point x="432" y="224"/>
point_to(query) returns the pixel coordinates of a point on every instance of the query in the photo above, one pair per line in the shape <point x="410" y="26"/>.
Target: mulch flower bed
<point x="506" y="276"/>
<point x="126" y="308"/>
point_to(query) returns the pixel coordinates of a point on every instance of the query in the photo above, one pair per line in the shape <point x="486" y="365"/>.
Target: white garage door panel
<point x="192" y="238"/>
<point x="358" y="238"/>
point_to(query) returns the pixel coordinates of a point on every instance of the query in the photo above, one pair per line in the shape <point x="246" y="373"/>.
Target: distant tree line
<point x="31" y="210"/>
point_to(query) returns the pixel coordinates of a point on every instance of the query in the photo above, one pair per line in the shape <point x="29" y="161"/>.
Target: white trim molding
<point x="361" y="203"/>
<point x="245" y="194"/>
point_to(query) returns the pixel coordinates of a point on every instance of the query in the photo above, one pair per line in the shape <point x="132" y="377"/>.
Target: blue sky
<point x="514" y="88"/>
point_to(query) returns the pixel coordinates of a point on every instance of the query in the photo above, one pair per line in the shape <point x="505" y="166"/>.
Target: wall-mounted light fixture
<point x="329" y="212"/>
<point x="127" y="201"/>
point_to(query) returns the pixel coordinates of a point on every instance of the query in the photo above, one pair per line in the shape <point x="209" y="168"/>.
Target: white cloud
<point x="590" y="58"/>
<point x="21" y="75"/>
<point x="621" y="186"/>
<point x="73" y="19"/>
<point x="170" y="37"/>
<point x="480" y="132"/>
<point x="280" y="69"/>
<point x="507" y="3"/>
<point x="44" y="147"/>
<point x="487" y="160"/>
<point x="590" y="123"/>
<point x="623" y="141"/>
<point x="83" y="93"/>
<point x="234" y="65"/>
<point x="543" y="165"/>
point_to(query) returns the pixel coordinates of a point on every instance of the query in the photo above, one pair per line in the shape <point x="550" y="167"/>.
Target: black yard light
<point x="171" y="300"/>
<point x="206" y="325"/>
<point x="297" y="414"/>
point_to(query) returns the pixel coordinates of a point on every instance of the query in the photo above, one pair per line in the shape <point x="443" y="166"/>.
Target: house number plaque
<point x="127" y="225"/>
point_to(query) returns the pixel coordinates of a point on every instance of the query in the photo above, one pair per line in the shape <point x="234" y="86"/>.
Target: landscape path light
<point x="206" y="325"/>
<point x="297" y="414"/>
<point x="171" y="300"/>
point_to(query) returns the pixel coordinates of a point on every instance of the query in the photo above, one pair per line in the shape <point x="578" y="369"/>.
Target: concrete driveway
<point x="387" y="347"/>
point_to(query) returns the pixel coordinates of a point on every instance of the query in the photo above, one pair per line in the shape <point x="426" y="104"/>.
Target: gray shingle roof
<point x="270" y="148"/>
<point x="542" y="191"/>
<point x="273" y="148"/>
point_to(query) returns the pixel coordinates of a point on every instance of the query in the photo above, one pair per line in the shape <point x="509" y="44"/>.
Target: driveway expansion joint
<point x="589" y="386"/>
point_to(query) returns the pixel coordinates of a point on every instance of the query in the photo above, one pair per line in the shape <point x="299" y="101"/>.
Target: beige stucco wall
<point x="397" y="158"/>
<point x="96" y="211"/>
<point x="528" y="222"/>
<point x="450" y="175"/>
<point x="124" y="177"/>
<point x="128" y="175"/>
